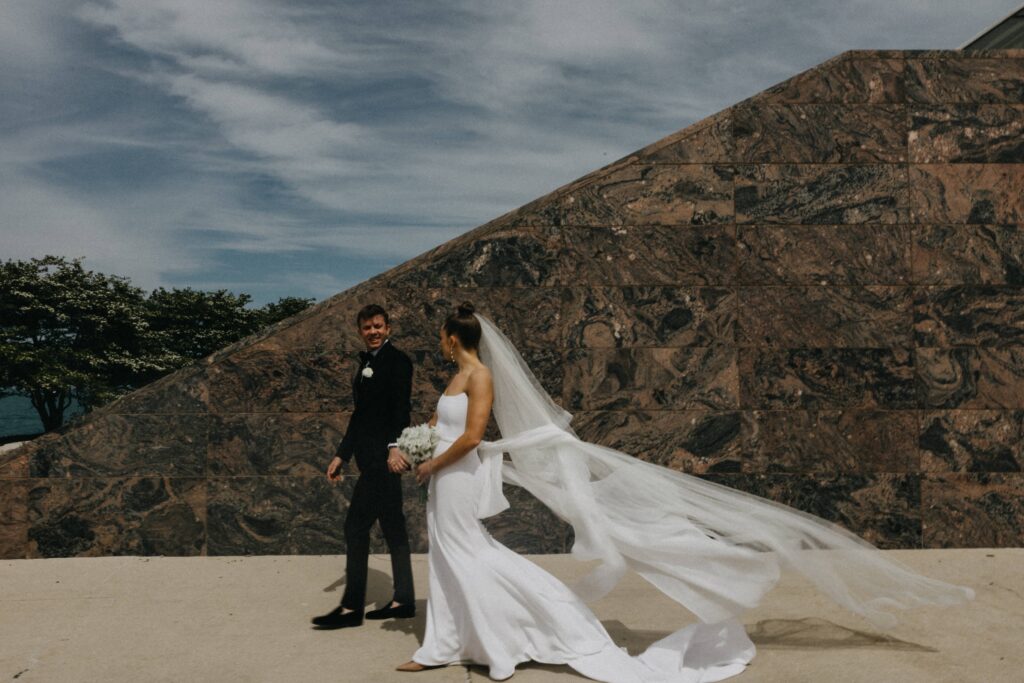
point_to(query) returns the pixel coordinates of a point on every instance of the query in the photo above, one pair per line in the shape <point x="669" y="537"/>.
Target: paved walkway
<point x="230" y="619"/>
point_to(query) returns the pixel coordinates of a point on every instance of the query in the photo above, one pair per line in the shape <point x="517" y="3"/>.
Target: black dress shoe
<point x="335" y="619"/>
<point x="400" y="612"/>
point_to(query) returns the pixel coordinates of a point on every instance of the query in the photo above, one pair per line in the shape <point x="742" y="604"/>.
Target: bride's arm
<point x="480" y="392"/>
<point x="433" y="420"/>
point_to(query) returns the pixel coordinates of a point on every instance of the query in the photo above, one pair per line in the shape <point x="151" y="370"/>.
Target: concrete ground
<point x="247" y="619"/>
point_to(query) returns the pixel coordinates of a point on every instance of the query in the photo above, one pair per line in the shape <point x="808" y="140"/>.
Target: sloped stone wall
<point x="815" y="295"/>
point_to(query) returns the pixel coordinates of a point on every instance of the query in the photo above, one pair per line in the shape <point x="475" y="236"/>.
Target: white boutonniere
<point x="367" y="372"/>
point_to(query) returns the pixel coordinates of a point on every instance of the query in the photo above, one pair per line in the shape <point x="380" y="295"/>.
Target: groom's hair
<point x="371" y="311"/>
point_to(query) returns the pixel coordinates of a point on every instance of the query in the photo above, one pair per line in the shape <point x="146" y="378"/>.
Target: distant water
<point x="17" y="416"/>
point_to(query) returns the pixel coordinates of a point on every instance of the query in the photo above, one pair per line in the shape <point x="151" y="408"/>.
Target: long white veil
<point x="713" y="549"/>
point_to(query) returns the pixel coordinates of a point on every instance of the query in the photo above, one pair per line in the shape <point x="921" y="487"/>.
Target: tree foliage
<point x="70" y="333"/>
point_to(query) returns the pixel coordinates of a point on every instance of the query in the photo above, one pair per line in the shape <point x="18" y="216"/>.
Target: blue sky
<point x="298" y="147"/>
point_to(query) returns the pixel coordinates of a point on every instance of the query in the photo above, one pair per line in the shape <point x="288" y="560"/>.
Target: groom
<point x="381" y="388"/>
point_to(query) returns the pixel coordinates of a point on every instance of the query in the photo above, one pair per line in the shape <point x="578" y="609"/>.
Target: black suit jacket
<point x="382" y="406"/>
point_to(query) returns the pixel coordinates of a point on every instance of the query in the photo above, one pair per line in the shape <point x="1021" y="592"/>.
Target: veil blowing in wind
<point x="713" y="549"/>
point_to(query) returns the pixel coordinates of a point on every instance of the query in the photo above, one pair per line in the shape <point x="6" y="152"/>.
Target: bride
<point x="713" y="549"/>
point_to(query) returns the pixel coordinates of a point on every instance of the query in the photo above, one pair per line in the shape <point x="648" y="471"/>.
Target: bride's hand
<point x="424" y="471"/>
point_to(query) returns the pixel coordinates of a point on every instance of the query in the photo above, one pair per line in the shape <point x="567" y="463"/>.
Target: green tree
<point x="66" y="332"/>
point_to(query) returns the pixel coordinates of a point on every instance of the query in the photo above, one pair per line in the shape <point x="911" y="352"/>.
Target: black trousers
<point x="377" y="497"/>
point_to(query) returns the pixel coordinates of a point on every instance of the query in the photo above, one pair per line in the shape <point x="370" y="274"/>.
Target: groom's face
<point x="374" y="331"/>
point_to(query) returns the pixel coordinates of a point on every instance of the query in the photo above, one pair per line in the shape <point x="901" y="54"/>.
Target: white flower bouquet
<point x="418" y="443"/>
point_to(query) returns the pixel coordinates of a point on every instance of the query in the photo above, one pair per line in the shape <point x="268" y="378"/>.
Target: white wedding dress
<point x="491" y="606"/>
<point x="714" y="550"/>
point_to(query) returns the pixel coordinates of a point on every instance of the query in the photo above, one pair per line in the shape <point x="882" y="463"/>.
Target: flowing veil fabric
<point x="713" y="549"/>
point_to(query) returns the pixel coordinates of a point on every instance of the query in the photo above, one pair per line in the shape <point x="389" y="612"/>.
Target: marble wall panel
<point x="692" y="441"/>
<point x="823" y="255"/>
<point x="965" y="79"/>
<point x="826" y="378"/>
<point x="13" y="517"/>
<point x="973" y="510"/>
<point x="975" y="133"/>
<point x="184" y="391"/>
<point x="819" y="194"/>
<point x="521" y="257"/>
<point x="845" y="80"/>
<point x="884" y="509"/>
<point x="528" y="526"/>
<point x="651" y="255"/>
<point x="972" y="441"/>
<point x="833" y="441"/>
<point x="268" y="378"/>
<point x="91" y="517"/>
<point x="14" y="462"/>
<point x="969" y="315"/>
<point x="966" y="377"/>
<point x="968" y="254"/>
<point x="296" y="444"/>
<point x="766" y="132"/>
<point x="651" y="378"/>
<point x="708" y="142"/>
<point x="843" y="316"/>
<point x="967" y="193"/>
<point x="651" y="194"/>
<point x="276" y="515"/>
<point x="651" y="316"/>
<point x="115" y="445"/>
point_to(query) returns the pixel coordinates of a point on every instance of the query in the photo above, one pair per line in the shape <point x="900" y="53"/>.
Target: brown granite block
<point x="692" y="441"/>
<point x="530" y="316"/>
<point x="845" y="80"/>
<point x="14" y="462"/>
<point x="651" y="316"/>
<point x="268" y="378"/>
<point x="281" y="515"/>
<point x="833" y="441"/>
<point x="821" y="194"/>
<point x="766" y="132"/>
<point x="967" y="377"/>
<point x="965" y="79"/>
<point x="846" y="316"/>
<point x="643" y="195"/>
<point x="528" y="526"/>
<point x="520" y="257"/>
<point x="708" y="142"/>
<point x="297" y="444"/>
<point x="972" y="441"/>
<point x="651" y="255"/>
<point x="651" y="378"/>
<point x="978" y="133"/>
<point x="13" y="518"/>
<point x="967" y="193"/>
<point x="826" y="378"/>
<point x="116" y="516"/>
<point x="968" y="254"/>
<point x="184" y="391"/>
<point x="125" y="445"/>
<point x="971" y="315"/>
<point x="819" y="255"/>
<point x="973" y="510"/>
<point x="883" y="509"/>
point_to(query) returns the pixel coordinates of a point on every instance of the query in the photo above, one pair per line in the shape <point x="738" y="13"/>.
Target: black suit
<point x="381" y="413"/>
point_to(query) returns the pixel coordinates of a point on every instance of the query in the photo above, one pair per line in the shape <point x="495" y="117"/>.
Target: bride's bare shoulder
<point x="479" y="378"/>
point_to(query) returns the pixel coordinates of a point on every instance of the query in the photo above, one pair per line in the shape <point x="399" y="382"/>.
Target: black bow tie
<point x="365" y="357"/>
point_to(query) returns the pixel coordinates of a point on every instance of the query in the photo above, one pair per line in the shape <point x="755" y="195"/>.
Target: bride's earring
<point x="451" y="351"/>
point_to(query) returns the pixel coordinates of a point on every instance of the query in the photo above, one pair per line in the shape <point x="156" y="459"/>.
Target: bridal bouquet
<point x="418" y="443"/>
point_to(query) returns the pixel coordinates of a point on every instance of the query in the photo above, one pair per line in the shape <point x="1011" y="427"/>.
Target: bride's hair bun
<point x="464" y="325"/>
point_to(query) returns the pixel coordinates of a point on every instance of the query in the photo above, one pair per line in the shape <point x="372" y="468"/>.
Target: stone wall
<point x="815" y="295"/>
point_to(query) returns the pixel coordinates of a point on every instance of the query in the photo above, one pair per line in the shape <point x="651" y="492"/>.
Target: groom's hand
<point x="396" y="461"/>
<point x="334" y="470"/>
